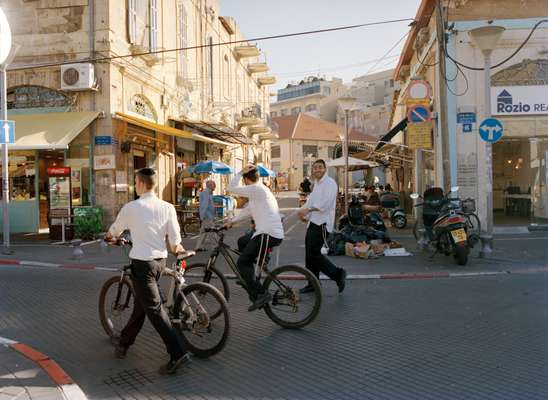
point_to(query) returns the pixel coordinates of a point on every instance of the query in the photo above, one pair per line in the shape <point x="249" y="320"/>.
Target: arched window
<point x="139" y="104"/>
<point x="37" y="97"/>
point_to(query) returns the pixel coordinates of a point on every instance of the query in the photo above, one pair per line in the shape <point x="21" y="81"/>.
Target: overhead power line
<point x="257" y="39"/>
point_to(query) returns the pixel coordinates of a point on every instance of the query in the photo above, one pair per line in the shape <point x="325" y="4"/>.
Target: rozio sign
<point x="519" y="100"/>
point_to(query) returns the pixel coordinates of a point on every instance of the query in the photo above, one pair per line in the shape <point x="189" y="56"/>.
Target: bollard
<point x="77" y="253"/>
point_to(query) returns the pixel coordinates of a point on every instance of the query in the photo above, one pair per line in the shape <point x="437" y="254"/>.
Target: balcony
<point x="260" y="130"/>
<point x="255" y="68"/>
<point x="266" y="80"/>
<point x="246" y="51"/>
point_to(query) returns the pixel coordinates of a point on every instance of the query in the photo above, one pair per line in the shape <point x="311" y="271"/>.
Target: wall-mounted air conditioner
<point x="77" y="77"/>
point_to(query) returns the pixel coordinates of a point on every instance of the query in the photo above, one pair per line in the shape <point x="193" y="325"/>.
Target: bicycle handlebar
<point x="216" y="229"/>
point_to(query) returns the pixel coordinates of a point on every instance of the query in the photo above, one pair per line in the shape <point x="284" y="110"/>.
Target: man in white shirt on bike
<point x="319" y="211"/>
<point x="269" y="232"/>
<point x="149" y="220"/>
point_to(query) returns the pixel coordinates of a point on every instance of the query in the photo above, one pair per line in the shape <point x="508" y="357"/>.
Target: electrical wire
<point x="262" y="38"/>
<point x="388" y="52"/>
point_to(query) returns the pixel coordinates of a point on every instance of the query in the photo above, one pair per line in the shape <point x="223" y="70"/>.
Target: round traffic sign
<point x="419" y="89"/>
<point x="5" y="37"/>
<point x="491" y="130"/>
<point x="418" y="114"/>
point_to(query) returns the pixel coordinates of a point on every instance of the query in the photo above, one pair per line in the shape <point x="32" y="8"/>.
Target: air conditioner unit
<point x="77" y="77"/>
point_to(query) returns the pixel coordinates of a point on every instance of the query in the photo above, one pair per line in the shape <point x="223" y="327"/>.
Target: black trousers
<point x="244" y="240"/>
<point x="315" y="261"/>
<point x="256" y="247"/>
<point x="148" y="302"/>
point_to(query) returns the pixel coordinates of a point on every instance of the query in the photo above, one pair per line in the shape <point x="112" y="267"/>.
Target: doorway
<point x="139" y="161"/>
<point x="46" y="159"/>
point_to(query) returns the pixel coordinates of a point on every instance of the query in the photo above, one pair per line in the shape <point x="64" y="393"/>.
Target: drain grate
<point x="128" y="379"/>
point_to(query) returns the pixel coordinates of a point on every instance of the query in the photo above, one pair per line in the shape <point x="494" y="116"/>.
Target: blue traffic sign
<point x="491" y="130"/>
<point x="7" y="132"/>
<point x="467" y="128"/>
<point x="418" y="114"/>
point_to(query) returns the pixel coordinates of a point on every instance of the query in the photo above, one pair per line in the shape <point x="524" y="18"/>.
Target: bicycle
<point x="283" y="283"/>
<point x="188" y="307"/>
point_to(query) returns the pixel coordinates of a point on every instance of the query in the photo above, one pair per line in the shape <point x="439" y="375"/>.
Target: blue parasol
<point x="265" y="172"/>
<point x="210" y="167"/>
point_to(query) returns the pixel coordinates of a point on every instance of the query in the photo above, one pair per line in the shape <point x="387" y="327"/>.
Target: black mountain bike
<point x="189" y="307"/>
<point x="288" y="307"/>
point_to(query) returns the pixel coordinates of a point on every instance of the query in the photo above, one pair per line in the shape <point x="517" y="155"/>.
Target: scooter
<point x="391" y="203"/>
<point x="444" y="224"/>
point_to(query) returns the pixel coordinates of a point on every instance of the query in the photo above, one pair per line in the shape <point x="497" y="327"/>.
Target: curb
<point x="393" y="276"/>
<point x="69" y="389"/>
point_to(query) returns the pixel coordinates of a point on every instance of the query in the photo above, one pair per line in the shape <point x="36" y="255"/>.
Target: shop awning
<point x="206" y="139"/>
<point x="168" y="130"/>
<point x="216" y="131"/>
<point x="50" y="130"/>
<point x="391" y="133"/>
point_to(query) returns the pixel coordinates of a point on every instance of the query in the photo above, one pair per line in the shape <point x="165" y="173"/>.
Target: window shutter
<point x="153" y="25"/>
<point x="132" y="21"/>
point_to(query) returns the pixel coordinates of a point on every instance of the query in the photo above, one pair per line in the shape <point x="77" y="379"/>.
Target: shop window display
<point x="22" y="175"/>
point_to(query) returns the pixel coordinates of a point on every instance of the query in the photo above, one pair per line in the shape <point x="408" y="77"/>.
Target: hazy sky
<point x="345" y="54"/>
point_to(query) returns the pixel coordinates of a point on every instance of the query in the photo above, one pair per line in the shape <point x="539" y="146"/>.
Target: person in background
<point x="207" y="213"/>
<point x="306" y="185"/>
<point x="373" y="202"/>
<point x="319" y="211"/>
<point x="388" y="188"/>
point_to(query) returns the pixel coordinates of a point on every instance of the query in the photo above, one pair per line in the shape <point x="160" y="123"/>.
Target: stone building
<point x="97" y="86"/>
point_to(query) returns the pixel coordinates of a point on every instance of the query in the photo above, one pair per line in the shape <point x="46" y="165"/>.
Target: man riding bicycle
<point x="149" y="221"/>
<point x="269" y="232"/>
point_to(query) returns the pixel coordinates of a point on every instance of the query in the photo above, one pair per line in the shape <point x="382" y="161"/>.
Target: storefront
<point x="44" y="141"/>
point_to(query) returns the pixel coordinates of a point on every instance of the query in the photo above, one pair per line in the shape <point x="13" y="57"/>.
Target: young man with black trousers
<point x="319" y="211"/>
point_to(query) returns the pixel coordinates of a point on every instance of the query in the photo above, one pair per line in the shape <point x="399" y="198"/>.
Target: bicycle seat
<point x="185" y="254"/>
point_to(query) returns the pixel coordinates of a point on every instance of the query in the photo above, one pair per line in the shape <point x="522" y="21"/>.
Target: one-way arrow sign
<point x="7" y="134"/>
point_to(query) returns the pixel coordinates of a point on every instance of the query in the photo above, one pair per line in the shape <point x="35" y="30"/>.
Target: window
<point x="330" y="151"/>
<point x="209" y="53"/>
<point x="22" y="175"/>
<point x="273" y="114"/>
<point x="311" y="107"/>
<point x="391" y="83"/>
<point x="275" y="152"/>
<point x="275" y="166"/>
<point x="141" y="105"/>
<point x="182" y="41"/>
<point x="283" y="112"/>
<point x="327" y="91"/>
<point x="295" y="110"/>
<point x="153" y="21"/>
<point x="226" y="77"/>
<point x="132" y="21"/>
<point x="310" y="150"/>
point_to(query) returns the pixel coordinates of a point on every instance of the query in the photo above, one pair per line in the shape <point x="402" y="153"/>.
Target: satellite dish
<point x="5" y="38"/>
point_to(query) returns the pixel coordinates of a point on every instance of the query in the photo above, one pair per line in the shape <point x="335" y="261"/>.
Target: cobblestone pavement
<point x="473" y="338"/>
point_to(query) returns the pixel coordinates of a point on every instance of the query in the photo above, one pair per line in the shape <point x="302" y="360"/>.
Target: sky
<point x="343" y="54"/>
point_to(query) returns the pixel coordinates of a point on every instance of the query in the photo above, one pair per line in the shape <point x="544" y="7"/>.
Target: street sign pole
<point x="5" y="161"/>
<point x="487" y="236"/>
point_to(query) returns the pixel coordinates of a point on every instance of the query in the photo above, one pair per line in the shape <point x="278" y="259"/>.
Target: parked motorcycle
<point x="445" y="225"/>
<point x="391" y="203"/>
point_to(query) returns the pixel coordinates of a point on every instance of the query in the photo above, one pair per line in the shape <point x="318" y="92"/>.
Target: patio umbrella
<point x="210" y="167"/>
<point x="265" y="172"/>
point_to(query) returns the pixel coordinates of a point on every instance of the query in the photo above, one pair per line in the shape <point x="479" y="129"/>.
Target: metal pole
<point x="5" y="164"/>
<point x="487" y="236"/>
<point x="346" y="164"/>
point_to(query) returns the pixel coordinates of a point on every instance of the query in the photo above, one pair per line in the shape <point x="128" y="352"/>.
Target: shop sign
<point x="104" y="162"/>
<point x="58" y="171"/>
<point x="419" y="135"/>
<point x="519" y="100"/>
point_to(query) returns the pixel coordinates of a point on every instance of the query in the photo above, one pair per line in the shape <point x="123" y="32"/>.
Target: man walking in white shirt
<point x="149" y="221"/>
<point x="319" y="210"/>
<point x="269" y="232"/>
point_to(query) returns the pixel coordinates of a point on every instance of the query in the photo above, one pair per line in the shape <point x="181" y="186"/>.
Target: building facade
<point x="100" y="87"/>
<point x="459" y="156"/>
<point x="313" y="96"/>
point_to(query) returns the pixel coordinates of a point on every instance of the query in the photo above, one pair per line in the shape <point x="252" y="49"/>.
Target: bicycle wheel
<point x="116" y="304"/>
<point x="288" y="307"/>
<point x="473" y="224"/>
<point x="197" y="273"/>
<point x="203" y="335"/>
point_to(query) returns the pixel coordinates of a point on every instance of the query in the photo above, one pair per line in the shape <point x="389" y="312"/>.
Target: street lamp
<point x="346" y="104"/>
<point x="486" y="38"/>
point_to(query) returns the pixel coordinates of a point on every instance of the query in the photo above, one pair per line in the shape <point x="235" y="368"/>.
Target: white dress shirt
<point x="324" y="198"/>
<point x="149" y="221"/>
<point x="263" y="207"/>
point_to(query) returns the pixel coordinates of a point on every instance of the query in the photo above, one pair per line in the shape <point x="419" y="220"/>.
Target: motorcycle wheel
<point x="399" y="221"/>
<point x="461" y="254"/>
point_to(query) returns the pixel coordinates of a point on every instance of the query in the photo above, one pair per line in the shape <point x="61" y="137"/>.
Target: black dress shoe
<point x="173" y="365"/>
<point x="307" y="289"/>
<point x="120" y="351"/>
<point x="341" y="283"/>
<point x="260" y="301"/>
